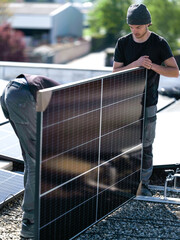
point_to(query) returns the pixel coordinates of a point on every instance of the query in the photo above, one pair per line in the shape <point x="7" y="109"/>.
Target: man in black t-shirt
<point x="19" y="106"/>
<point x="143" y="48"/>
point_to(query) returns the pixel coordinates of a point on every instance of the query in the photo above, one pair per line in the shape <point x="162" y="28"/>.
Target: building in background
<point x="55" y="1"/>
<point x="46" y="22"/>
<point x="53" y="31"/>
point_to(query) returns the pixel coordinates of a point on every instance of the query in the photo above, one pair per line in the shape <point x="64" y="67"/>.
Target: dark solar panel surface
<point x="11" y="184"/>
<point x="90" y="152"/>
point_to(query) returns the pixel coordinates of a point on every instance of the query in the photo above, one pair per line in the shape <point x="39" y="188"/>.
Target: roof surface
<point x="33" y="8"/>
<point x="133" y="221"/>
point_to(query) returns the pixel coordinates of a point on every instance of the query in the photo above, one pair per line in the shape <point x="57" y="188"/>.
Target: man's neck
<point x="143" y="38"/>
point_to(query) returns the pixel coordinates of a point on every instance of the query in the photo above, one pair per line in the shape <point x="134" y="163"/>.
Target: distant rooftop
<point x="34" y="8"/>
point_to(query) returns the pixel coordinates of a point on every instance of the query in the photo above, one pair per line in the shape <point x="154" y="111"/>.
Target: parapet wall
<point x="58" y="72"/>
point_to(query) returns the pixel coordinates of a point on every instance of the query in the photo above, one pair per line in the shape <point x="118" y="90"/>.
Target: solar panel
<point x="10" y="147"/>
<point x="89" y="151"/>
<point x="11" y="185"/>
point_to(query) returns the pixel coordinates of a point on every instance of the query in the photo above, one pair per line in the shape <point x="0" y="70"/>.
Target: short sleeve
<point x="165" y="50"/>
<point x="118" y="53"/>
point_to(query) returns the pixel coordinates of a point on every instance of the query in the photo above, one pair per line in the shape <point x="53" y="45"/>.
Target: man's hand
<point x="144" y="61"/>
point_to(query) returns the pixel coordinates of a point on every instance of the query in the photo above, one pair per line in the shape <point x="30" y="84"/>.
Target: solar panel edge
<point x="82" y="185"/>
<point x="16" y="189"/>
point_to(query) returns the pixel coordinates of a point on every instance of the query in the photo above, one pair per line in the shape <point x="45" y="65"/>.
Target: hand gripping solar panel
<point x="89" y="151"/>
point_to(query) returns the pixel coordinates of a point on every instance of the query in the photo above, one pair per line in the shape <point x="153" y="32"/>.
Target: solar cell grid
<point x="11" y="185"/>
<point x="91" y="152"/>
<point x="129" y="85"/>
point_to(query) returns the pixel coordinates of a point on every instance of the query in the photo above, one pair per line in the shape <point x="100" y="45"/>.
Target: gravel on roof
<point x="134" y="220"/>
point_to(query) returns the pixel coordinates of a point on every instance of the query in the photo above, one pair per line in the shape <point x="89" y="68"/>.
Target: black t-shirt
<point x="158" y="50"/>
<point x="37" y="82"/>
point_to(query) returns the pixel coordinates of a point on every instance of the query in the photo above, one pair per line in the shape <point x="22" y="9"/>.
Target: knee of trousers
<point x="147" y="157"/>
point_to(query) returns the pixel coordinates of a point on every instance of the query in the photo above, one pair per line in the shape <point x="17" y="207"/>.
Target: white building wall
<point x="30" y="21"/>
<point x="67" y="22"/>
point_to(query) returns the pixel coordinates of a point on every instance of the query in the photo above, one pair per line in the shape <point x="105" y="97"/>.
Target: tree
<point x="165" y="19"/>
<point x="108" y="17"/>
<point x="4" y="12"/>
<point x="11" y="44"/>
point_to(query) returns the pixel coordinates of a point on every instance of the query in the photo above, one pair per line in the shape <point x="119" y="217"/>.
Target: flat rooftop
<point x="33" y="8"/>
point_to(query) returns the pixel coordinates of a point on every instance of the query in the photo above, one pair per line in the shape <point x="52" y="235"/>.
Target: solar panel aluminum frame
<point x="43" y="99"/>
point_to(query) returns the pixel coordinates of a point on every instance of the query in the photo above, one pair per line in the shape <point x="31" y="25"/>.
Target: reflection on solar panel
<point x="89" y="151"/>
<point x="11" y="185"/>
<point x="10" y="147"/>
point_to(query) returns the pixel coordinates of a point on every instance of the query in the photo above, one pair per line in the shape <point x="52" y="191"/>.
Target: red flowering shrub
<point x="12" y="45"/>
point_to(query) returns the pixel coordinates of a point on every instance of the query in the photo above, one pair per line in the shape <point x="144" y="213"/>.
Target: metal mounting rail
<point x="161" y="199"/>
<point x="161" y="188"/>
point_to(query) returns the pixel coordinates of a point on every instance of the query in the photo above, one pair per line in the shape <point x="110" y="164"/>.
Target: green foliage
<point x="165" y="19"/>
<point x="4" y="12"/>
<point x="108" y="17"/>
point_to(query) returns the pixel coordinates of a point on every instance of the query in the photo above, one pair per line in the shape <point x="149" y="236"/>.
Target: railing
<point x="59" y="72"/>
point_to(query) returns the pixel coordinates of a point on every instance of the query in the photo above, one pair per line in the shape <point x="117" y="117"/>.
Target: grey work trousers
<point x="18" y="106"/>
<point x="148" y="139"/>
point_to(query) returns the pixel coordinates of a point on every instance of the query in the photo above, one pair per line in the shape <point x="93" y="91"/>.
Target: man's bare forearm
<point x="167" y="71"/>
<point x="117" y="69"/>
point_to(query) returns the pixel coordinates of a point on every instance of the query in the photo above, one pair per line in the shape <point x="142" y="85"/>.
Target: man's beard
<point x="141" y="35"/>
